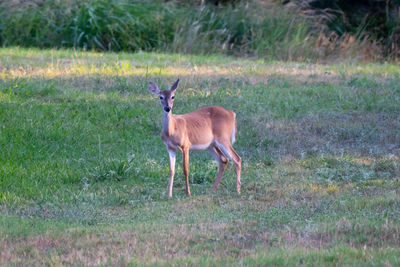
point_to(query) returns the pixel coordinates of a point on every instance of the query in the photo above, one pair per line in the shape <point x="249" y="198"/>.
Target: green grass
<point x="84" y="173"/>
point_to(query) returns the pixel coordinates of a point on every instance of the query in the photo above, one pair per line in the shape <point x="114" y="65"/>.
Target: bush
<point x="256" y="28"/>
<point x="375" y="20"/>
<point x="98" y="24"/>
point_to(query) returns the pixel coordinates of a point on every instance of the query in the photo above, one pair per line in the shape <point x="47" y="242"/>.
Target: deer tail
<point x="234" y="131"/>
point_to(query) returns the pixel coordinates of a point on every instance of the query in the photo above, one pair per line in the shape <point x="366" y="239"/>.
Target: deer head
<point x="166" y="96"/>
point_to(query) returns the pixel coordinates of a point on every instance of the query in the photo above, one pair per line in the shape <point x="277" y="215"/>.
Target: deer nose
<point x="167" y="109"/>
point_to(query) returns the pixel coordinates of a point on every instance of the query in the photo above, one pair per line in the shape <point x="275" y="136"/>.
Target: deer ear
<point x="175" y="85"/>
<point x="154" y="88"/>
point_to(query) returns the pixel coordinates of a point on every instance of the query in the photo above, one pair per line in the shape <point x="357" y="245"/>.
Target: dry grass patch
<point x="143" y="245"/>
<point x="358" y="134"/>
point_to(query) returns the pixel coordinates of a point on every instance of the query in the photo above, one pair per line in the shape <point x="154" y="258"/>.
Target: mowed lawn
<point x="84" y="172"/>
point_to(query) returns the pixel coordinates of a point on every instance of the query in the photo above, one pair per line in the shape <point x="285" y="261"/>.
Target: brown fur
<point x="207" y="128"/>
<point x="186" y="130"/>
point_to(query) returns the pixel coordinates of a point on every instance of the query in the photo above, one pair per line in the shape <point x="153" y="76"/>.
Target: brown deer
<point x="212" y="128"/>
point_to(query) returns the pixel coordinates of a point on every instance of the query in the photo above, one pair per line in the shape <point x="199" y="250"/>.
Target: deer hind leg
<point x="185" y="153"/>
<point x="228" y="150"/>
<point x="222" y="163"/>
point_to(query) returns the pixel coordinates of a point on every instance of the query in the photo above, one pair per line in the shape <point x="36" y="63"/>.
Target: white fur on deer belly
<point x="200" y="146"/>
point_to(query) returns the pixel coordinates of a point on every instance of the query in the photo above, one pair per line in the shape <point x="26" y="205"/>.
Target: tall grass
<point x="370" y="29"/>
<point x="246" y="29"/>
<point x="98" y="24"/>
<point x="29" y="23"/>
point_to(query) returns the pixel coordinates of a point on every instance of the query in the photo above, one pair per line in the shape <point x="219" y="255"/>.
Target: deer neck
<point x="168" y="123"/>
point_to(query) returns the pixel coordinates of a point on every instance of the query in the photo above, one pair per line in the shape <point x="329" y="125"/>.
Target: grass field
<point x="84" y="173"/>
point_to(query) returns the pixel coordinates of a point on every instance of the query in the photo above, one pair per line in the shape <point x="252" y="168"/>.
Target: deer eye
<point x="161" y="97"/>
<point x="172" y="97"/>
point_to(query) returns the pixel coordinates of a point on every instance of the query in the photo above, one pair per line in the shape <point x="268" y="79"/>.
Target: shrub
<point x="256" y="28"/>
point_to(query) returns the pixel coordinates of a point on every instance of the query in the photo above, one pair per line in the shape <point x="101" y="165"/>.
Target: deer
<point x="213" y="128"/>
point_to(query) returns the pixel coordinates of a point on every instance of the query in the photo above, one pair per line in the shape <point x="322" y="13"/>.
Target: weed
<point x="272" y="31"/>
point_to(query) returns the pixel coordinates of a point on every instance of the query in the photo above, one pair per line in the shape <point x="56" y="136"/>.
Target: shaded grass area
<point x="83" y="171"/>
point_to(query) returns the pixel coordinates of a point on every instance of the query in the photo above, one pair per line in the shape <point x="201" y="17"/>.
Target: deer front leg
<point x="172" y="158"/>
<point x="185" y="153"/>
